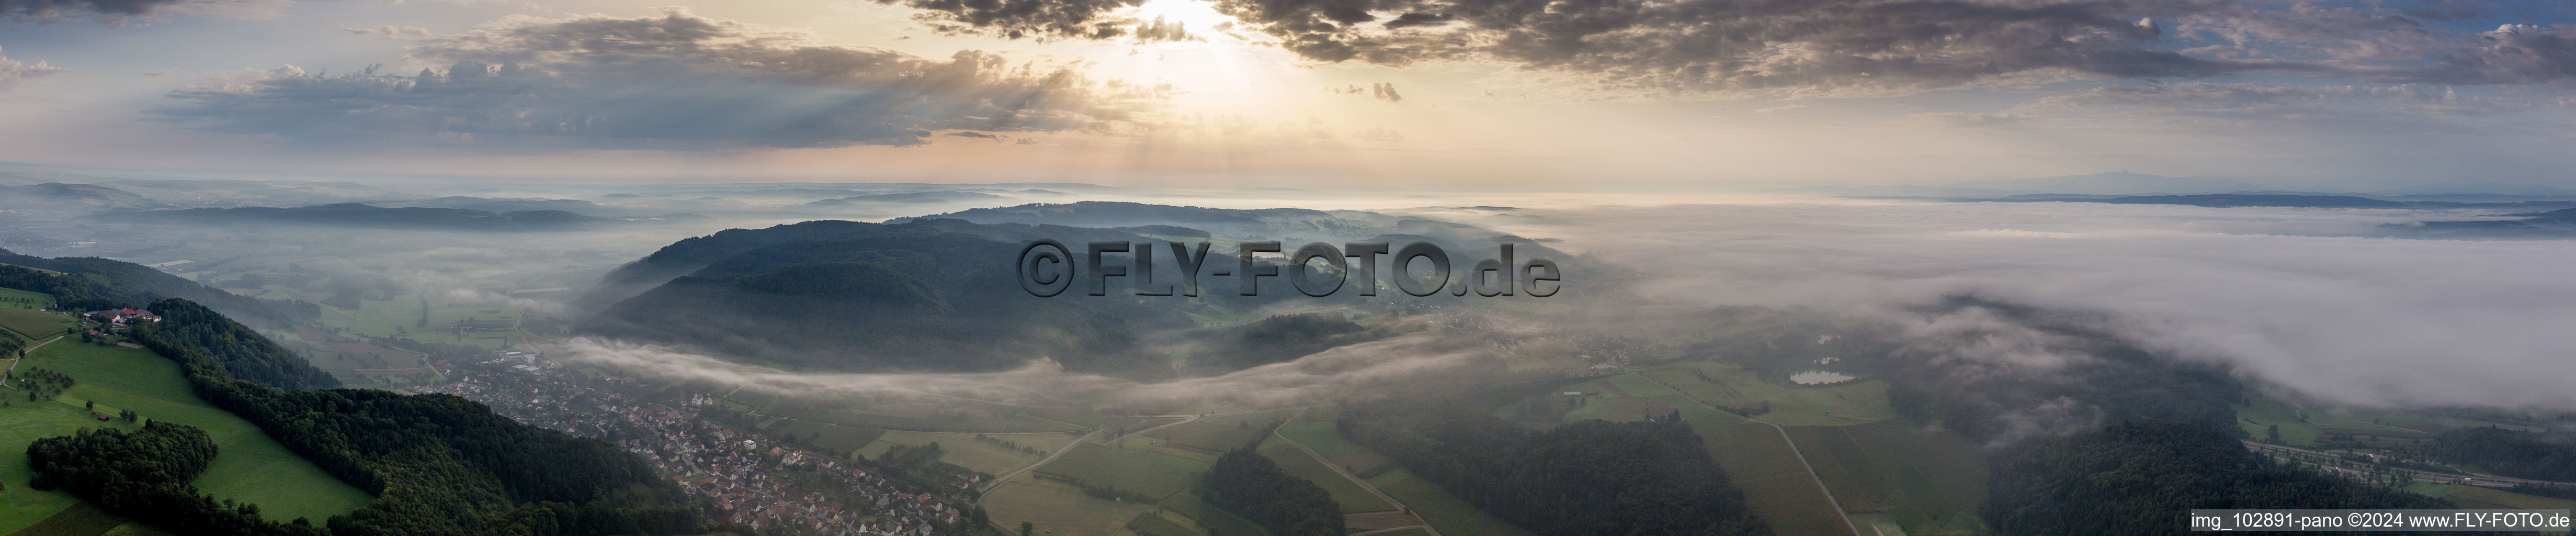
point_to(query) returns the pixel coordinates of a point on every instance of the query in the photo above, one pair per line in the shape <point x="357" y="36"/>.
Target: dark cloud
<point x="2512" y="54"/>
<point x="1162" y="30"/>
<point x="390" y="32"/>
<point x="107" y="10"/>
<point x="1852" y="46"/>
<point x="1385" y="91"/>
<point x="14" y="72"/>
<point x="672" y="81"/>
<point x="2415" y="107"/>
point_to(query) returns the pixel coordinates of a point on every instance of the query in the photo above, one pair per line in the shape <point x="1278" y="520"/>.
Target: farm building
<point x="119" y="317"/>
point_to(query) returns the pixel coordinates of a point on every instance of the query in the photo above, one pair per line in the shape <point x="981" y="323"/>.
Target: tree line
<point x="437" y="464"/>
<point x="1250" y="485"/>
<point x="2508" y="452"/>
<point x="1590" y="477"/>
<point x="2140" y="476"/>
<point x="146" y="475"/>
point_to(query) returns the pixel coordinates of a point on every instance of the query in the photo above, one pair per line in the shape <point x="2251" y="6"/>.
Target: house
<point x="120" y="317"/>
<point x="1605" y="368"/>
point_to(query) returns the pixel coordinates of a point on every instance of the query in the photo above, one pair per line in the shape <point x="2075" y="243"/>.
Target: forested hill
<point x="199" y="337"/>
<point x="900" y="297"/>
<point x="91" y="283"/>
<point x="688" y="255"/>
<point x="2139" y="477"/>
<point x="2509" y="452"/>
<point x="438" y="464"/>
<point x="1641" y="478"/>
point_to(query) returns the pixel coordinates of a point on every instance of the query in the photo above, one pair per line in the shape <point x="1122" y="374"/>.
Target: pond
<point x="1818" y="377"/>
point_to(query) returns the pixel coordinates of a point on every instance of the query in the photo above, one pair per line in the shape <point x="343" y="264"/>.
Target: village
<point x="748" y="479"/>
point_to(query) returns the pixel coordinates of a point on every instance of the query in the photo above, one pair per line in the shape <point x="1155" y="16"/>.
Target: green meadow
<point x="250" y="467"/>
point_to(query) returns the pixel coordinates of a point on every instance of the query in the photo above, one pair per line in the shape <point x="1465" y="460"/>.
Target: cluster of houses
<point x="121" y="317"/>
<point x="711" y="460"/>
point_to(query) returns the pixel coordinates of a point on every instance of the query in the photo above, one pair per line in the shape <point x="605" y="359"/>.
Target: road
<point x="1363" y="483"/>
<point x="2491" y="481"/>
<point x="13" y="362"/>
<point x="1784" y="438"/>
<point x="1068" y="447"/>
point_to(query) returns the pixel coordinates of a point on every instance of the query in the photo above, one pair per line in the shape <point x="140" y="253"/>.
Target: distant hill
<point x="1291" y="225"/>
<point x="934" y="295"/>
<point x="939" y="293"/>
<point x="2556" y="224"/>
<point x="371" y="216"/>
<point x="121" y="283"/>
<point x="2233" y="200"/>
<point x="92" y="195"/>
<point x="923" y="197"/>
<point x="496" y="206"/>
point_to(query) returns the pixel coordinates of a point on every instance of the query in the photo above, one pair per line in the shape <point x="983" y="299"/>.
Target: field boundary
<point x="1793" y="449"/>
<point x="1381" y="495"/>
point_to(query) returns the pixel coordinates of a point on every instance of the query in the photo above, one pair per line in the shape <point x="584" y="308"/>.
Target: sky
<point x="1440" y="95"/>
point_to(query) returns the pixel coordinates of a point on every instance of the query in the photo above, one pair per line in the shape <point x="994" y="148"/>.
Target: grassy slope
<point x="31" y="322"/>
<point x="83" y="519"/>
<point x="250" y="468"/>
<point x="11" y="298"/>
<point x="23" y="423"/>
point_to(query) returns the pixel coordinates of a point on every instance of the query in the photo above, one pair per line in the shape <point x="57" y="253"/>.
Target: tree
<point x="2275" y="433"/>
<point x="1025" y="527"/>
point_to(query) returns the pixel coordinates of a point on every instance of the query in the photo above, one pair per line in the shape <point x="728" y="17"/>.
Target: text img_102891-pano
<point x="1047" y="268"/>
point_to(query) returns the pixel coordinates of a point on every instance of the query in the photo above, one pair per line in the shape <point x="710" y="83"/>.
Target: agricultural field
<point x="1152" y="474"/>
<point x="1437" y="507"/>
<point x="1220" y="434"/>
<point x="1775" y="485"/>
<point x="1077" y="417"/>
<point x="1350" y="495"/>
<point x="1059" y="509"/>
<point x="250" y="467"/>
<point x="1927" y="482"/>
<point x="2489" y="498"/>
<point x="838" y="439"/>
<point x="11" y="298"/>
<point x="1319" y="436"/>
<point x="31" y="323"/>
<point x="1154" y="524"/>
<point x="907" y="415"/>
<point x="1127" y="425"/>
<point x="2306" y="426"/>
<point x="1631" y="385"/>
<point x="1731" y="386"/>
<point x="1622" y="398"/>
<point x="405" y="316"/>
<point x="82" y="519"/>
<point x="2301" y="427"/>
<point x="1211" y="520"/>
<point x="965" y="450"/>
